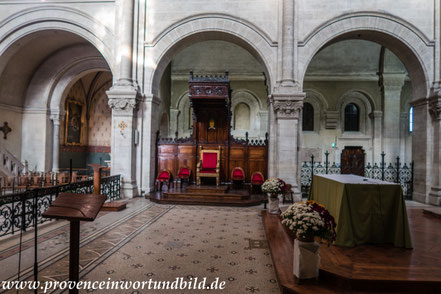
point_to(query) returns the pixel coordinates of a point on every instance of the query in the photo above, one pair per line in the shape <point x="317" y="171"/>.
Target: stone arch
<point x="254" y="104"/>
<point x="410" y="45"/>
<point x="161" y="50"/>
<point x="39" y="18"/>
<point x="365" y="105"/>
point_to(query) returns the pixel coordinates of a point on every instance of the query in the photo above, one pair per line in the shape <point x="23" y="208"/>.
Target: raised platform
<point x="365" y="269"/>
<point x="207" y="195"/>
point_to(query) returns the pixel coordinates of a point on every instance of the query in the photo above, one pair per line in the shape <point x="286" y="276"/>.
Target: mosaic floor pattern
<point x="196" y="242"/>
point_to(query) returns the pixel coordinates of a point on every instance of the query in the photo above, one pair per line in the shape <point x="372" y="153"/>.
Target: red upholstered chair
<point x="184" y="174"/>
<point x="164" y="176"/>
<point x="237" y="176"/>
<point x="257" y="180"/>
<point x="208" y="165"/>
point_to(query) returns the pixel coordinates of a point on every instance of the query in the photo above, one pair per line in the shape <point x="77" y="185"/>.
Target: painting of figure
<point x="73" y="123"/>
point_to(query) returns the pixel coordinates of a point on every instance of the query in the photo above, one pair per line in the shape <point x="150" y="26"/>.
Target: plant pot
<point x="273" y="204"/>
<point x="306" y="261"/>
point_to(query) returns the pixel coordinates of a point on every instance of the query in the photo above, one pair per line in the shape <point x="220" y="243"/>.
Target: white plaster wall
<point x="12" y="115"/>
<point x="314" y="13"/>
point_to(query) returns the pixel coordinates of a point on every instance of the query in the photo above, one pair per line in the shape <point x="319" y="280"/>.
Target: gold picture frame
<point x="74" y="115"/>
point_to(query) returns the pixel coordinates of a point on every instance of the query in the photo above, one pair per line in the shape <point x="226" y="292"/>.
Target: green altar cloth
<point x="366" y="211"/>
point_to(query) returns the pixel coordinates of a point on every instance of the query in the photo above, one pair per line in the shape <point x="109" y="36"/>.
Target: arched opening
<point x="308" y="117"/>
<point x="40" y="88"/>
<point x="352" y="118"/>
<point x="214" y="57"/>
<point x="371" y="75"/>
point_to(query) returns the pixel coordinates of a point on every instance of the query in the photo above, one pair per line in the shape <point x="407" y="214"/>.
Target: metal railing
<point x="394" y="172"/>
<point x="23" y="210"/>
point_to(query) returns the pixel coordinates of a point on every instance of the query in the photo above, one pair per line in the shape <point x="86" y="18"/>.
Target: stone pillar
<point x="421" y="150"/>
<point x="285" y="136"/>
<point x="124" y="100"/>
<point x="124" y="105"/>
<point x="404" y="127"/>
<point x="435" y="111"/>
<point x="263" y="116"/>
<point x="288" y="44"/>
<point x="174" y="113"/>
<point x="55" y="141"/>
<point x="377" y="117"/>
<point x="393" y="84"/>
<point x="150" y="126"/>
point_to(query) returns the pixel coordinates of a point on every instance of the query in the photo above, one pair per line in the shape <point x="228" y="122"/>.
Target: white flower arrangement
<point x="273" y="186"/>
<point x="308" y="220"/>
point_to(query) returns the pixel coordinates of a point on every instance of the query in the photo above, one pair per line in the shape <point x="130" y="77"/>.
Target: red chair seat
<point x="257" y="179"/>
<point x="238" y="174"/>
<point x="163" y="176"/>
<point x="185" y="172"/>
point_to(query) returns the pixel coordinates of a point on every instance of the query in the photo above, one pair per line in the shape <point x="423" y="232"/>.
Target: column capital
<point x="56" y="117"/>
<point x="393" y="81"/>
<point x="287" y="105"/>
<point x="435" y="107"/>
<point x="123" y="98"/>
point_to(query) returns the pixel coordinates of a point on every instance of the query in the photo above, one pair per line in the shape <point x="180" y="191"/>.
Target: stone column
<point x="421" y="150"/>
<point x="393" y="84"/>
<point x="124" y="107"/>
<point x="288" y="44"/>
<point x="55" y="141"/>
<point x="124" y="100"/>
<point x="404" y="127"/>
<point x="263" y="117"/>
<point x="150" y="126"/>
<point x="285" y="133"/>
<point x="377" y="117"/>
<point x="435" y="111"/>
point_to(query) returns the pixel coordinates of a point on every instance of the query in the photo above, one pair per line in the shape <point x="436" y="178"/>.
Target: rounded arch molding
<point x="199" y="28"/>
<point x="365" y="104"/>
<point x="28" y="21"/>
<point x="319" y="104"/>
<point x="407" y="42"/>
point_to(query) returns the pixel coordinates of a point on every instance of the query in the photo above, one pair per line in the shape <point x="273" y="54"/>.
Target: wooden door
<point x="352" y="161"/>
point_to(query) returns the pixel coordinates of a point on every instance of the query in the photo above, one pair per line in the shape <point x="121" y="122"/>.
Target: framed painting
<point x="74" y="113"/>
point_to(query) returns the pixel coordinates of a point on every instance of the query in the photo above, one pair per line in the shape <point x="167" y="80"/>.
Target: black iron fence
<point x="396" y="172"/>
<point x="23" y="210"/>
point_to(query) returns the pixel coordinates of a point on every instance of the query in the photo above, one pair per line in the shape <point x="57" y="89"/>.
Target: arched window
<point x="242" y="117"/>
<point x="411" y="120"/>
<point x="308" y="117"/>
<point x="352" y="118"/>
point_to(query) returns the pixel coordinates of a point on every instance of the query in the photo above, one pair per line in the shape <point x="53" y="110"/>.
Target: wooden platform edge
<point x="114" y="206"/>
<point x="281" y="246"/>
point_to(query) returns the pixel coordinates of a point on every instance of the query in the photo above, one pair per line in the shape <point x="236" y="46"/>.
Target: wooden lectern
<point x="75" y="208"/>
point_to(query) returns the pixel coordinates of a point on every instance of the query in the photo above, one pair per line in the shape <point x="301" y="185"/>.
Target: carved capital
<point x="435" y="107"/>
<point x="123" y="104"/>
<point x="287" y="109"/>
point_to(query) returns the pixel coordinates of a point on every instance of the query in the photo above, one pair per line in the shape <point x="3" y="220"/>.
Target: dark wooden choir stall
<point x="211" y="153"/>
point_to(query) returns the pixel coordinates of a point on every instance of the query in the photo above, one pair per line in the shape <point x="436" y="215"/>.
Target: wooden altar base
<point x="206" y="195"/>
<point x="366" y="268"/>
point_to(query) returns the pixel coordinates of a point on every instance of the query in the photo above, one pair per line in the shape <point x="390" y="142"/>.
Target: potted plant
<point x="309" y="221"/>
<point x="273" y="188"/>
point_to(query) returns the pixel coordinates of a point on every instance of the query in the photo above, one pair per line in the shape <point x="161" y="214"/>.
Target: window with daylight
<point x="352" y="118"/>
<point x="308" y="117"/>
<point x="411" y="120"/>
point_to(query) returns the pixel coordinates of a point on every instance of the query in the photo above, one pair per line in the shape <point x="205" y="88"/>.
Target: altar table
<point x="366" y="211"/>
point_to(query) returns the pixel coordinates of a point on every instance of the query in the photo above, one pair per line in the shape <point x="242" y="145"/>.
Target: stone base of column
<point x="419" y="197"/>
<point x="129" y="189"/>
<point x="435" y="196"/>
